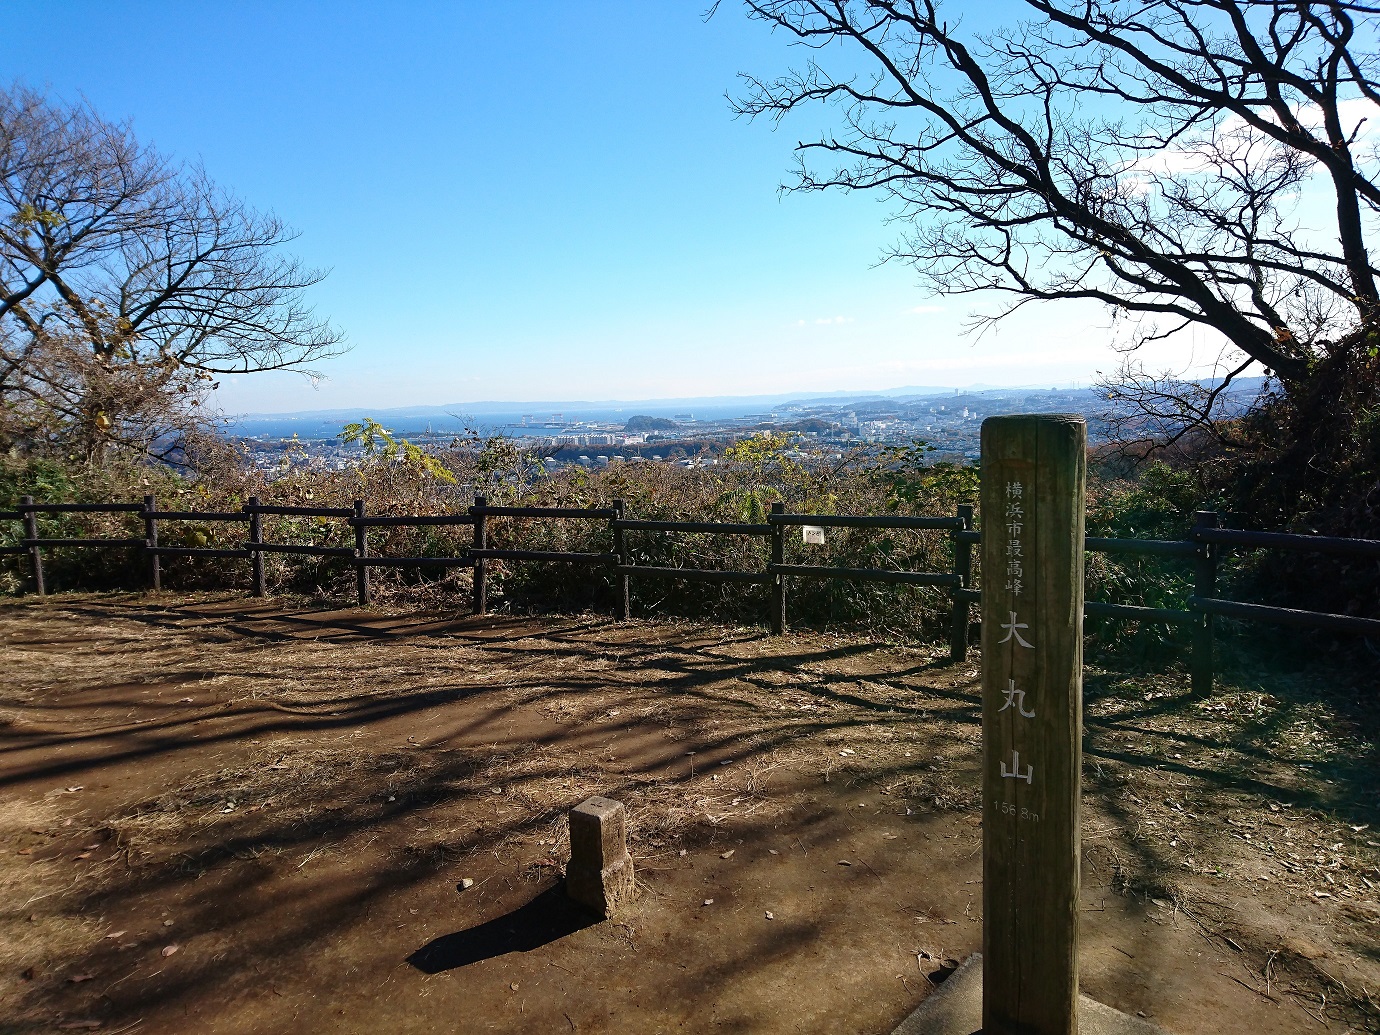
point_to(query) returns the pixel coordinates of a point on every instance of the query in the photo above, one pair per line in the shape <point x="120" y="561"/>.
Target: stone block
<point x="600" y="874"/>
<point x="955" y="1008"/>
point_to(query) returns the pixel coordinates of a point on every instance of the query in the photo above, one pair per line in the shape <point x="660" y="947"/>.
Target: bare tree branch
<point x="1148" y="154"/>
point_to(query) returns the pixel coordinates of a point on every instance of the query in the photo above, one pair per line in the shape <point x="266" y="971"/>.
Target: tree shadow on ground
<point x="737" y="696"/>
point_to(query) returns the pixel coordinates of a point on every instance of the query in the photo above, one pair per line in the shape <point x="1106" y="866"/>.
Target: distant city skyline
<point x="536" y="202"/>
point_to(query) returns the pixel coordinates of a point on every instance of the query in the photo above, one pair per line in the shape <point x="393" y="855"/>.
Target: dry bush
<point x="741" y="491"/>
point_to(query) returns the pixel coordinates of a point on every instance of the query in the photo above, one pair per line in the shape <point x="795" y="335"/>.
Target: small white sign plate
<point x="812" y="534"/>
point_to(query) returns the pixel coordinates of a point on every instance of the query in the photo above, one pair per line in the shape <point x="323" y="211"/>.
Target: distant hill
<point x="642" y="422"/>
<point x="814" y="424"/>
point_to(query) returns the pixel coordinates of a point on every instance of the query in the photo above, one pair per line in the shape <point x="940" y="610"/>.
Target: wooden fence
<point x="1201" y="547"/>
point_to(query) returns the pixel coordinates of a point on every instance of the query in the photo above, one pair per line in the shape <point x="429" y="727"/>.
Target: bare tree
<point x="129" y="282"/>
<point x="1157" y="156"/>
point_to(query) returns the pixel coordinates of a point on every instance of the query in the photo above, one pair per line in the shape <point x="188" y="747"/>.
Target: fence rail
<point x="693" y="574"/>
<point x="320" y="512"/>
<point x="195" y="551"/>
<point x="543" y="512"/>
<point x="197" y="515"/>
<point x="389" y="521"/>
<point x="820" y="571"/>
<point x="865" y="521"/>
<point x="1290" y="541"/>
<point x="416" y="562"/>
<point x="302" y="548"/>
<point x="1202" y="547"/>
<point x="1285" y="616"/>
<point x="1169" y="548"/>
<point x="715" y="527"/>
<point x="80" y="508"/>
<point x="99" y="543"/>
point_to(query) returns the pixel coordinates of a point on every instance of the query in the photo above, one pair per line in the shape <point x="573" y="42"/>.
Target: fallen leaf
<point x="168" y="950"/>
<point x="773" y="851"/>
<point x="84" y="855"/>
<point x="846" y="752"/>
<point x="73" y="790"/>
<point x="889" y="836"/>
<point x="76" y="979"/>
<point x="167" y="923"/>
<point x="709" y="902"/>
<point x="75" y="1025"/>
<point x="185" y="700"/>
<point x="728" y="854"/>
<point x="514" y="986"/>
<point x="116" y="934"/>
<point x="25" y="851"/>
<point x="844" y="862"/>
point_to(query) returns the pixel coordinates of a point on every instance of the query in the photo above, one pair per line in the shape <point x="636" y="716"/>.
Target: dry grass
<point x="41" y="933"/>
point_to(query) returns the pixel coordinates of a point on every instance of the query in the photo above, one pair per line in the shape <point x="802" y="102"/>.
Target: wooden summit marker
<point x="1033" y="473"/>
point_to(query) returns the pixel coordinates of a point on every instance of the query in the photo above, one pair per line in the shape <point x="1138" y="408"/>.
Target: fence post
<point x="35" y="552"/>
<point x="481" y="542"/>
<point x="963" y="568"/>
<point x="256" y="538"/>
<point x="361" y="552"/>
<point x="1204" y="585"/>
<point x="778" y="581"/>
<point x="620" y="551"/>
<point x="151" y="538"/>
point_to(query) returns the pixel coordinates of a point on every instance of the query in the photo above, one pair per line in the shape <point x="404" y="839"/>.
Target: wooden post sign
<point x="1033" y="471"/>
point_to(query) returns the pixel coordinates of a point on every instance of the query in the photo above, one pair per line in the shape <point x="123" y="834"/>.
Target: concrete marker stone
<point x="600" y="874"/>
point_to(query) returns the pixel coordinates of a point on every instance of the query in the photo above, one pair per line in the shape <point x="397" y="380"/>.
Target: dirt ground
<point x="222" y="815"/>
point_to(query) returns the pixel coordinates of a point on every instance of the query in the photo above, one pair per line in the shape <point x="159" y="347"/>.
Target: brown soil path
<point x="231" y="816"/>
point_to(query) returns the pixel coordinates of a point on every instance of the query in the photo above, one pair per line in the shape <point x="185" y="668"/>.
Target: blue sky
<point x="542" y="200"/>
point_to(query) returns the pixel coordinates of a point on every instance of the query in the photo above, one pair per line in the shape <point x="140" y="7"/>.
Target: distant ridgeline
<point x="954" y="414"/>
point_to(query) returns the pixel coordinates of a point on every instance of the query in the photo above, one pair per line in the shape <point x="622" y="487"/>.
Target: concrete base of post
<point x="955" y="1008"/>
<point x="600" y="874"/>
